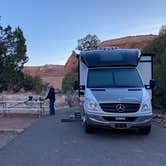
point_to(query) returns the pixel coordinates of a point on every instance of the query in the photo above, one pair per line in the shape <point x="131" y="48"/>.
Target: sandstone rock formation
<point x="71" y="64"/>
<point x="129" y="42"/>
<point x="52" y="74"/>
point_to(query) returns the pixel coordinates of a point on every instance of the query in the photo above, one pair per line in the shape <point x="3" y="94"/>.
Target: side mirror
<point x="152" y="84"/>
<point x="81" y="93"/>
<point x="82" y="87"/>
<point x="75" y="85"/>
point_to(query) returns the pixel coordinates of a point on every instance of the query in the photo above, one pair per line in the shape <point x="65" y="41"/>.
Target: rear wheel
<point x="145" y="130"/>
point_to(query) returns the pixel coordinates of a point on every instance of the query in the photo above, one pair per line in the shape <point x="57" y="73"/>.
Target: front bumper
<point x="134" y="122"/>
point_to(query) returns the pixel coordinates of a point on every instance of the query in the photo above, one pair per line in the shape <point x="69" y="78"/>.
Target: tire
<point x="145" y="130"/>
<point x="87" y="128"/>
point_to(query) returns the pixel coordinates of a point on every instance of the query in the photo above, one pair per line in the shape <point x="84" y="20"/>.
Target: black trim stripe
<point x="152" y="69"/>
<point x="78" y="74"/>
<point x="152" y="55"/>
<point x="145" y="61"/>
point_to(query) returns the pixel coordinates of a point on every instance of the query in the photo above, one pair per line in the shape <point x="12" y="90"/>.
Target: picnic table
<point x="38" y="106"/>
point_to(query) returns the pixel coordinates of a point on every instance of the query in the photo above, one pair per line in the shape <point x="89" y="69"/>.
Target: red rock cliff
<point x="71" y="64"/>
<point x="129" y="42"/>
<point x="52" y="74"/>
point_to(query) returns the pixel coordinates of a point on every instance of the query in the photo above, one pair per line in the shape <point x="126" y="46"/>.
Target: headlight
<point x="92" y="105"/>
<point x="146" y="107"/>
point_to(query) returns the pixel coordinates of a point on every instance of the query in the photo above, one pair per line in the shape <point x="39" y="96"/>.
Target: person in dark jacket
<point x="51" y="97"/>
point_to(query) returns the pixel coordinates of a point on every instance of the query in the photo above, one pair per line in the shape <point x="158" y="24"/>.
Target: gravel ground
<point x="16" y="122"/>
<point x="6" y="137"/>
<point x="50" y="142"/>
<point x="12" y="125"/>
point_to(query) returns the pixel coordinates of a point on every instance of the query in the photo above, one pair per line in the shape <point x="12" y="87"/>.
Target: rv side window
<point x="114" y="78"/>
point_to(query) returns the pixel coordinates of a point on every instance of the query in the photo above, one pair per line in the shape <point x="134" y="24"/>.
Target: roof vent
<point x="108" y="48"/>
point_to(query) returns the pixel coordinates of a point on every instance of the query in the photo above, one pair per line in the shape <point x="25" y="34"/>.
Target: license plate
<point x="120" y="118"/>
<point x="120" y="125"/>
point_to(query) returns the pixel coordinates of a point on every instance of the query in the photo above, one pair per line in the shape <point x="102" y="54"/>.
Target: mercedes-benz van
<point x="115" y="88"/>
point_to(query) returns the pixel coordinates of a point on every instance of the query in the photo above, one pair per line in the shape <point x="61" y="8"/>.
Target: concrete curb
<point x="11" y="130"/>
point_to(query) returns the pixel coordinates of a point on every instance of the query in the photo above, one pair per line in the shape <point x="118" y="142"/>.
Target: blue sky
<point x="52" y="27"/>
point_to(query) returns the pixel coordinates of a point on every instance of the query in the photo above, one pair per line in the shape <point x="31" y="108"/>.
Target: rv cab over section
<point x="111" y="58"/>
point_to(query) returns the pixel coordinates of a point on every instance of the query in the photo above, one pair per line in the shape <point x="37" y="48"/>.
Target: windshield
<point x="113" y="78"/>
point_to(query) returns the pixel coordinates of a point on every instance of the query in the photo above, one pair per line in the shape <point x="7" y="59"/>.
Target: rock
<point x="129" y="42"/>
<point x="52" y="74"/>
<point x="71" y="64"/>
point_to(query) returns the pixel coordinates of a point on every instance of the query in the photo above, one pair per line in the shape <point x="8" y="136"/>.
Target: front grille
<point x="113" y="107"/>
<point x="127" y="119"/>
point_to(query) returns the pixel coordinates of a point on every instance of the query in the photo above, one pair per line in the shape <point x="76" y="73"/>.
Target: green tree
<point x="89" y="42"/>
<point x="158" y="47"/>
<point x="12" y="57"/>
<point x="33" y="84"/>
<point x="162" y="30"/>
<point x="68" y="81"/>
<point x="38" y="85"/>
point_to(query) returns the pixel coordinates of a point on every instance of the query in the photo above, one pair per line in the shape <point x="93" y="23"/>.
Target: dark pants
<point x="52" y="109"/>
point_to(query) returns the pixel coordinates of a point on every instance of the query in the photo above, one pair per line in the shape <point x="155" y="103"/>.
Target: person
<point x="51" y="97"/>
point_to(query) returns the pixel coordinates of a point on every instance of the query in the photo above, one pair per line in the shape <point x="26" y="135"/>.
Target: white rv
<point x="116" y="88"/>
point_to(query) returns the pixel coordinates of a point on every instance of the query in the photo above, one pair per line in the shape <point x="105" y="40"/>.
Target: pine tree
<point x="12" y="57"/>
<point x="162" y="30"/>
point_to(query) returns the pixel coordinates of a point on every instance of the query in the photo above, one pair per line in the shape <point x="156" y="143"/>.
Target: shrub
<point x="33" y="84"/>
<point x="67" y="82"/>
<point x="158" y="47"/>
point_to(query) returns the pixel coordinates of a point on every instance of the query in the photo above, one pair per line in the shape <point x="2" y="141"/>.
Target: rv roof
<point x="110" y="58"/>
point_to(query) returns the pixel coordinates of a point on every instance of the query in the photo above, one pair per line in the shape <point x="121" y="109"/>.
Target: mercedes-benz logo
<point x="120" y="107"/>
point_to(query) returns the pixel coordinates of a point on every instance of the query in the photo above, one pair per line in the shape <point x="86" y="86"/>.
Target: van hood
<point x="118" y="95"/>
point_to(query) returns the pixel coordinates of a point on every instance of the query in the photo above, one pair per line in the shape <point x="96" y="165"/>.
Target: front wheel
<point x="145" y="130"/>
<point x="88" y="129"/>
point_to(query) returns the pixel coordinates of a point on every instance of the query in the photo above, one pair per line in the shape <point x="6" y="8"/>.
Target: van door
<point x="145" y="67"/>
<point x="82" y="76"/>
